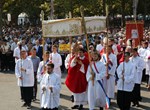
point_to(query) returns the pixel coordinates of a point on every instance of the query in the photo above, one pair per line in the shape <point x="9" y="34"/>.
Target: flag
<point x="134" y="31"/>
<point x="107" y="103"/>
<point x="107" y="98"/>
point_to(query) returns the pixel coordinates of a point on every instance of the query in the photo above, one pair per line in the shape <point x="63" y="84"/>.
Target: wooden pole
<point x="135" y="5"/>
<point x="42" y="19"/>
<point x="87" y="41"/>
<point x="107" y="26"/>
<point x="52" y="9"/>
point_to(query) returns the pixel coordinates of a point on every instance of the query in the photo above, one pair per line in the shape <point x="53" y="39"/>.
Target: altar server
<point x="96" y="95"/>
<point x="125" y="84"/>
<point x="56" y="59"/>
<point x="41" y="68"/>
<point x="147" y="60"/>
<point x="109" y="80"/>
<point x="51" y="86"/>
<point x="139" y="66"/>
<point x="25" y="73"/>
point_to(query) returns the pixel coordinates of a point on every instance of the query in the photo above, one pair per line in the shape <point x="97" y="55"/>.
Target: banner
<point x="134" y="31"/>
<point x="61" y="28"/>
<point x="63" y="48"/>
<point x="95" y="24"/>
<point x="73" y="26"/>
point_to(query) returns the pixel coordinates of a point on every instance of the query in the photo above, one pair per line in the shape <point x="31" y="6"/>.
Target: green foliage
<point x="63" y="7"/>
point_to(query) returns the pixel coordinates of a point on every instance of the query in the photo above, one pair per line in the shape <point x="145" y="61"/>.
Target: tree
<point x="63" y="7"/>
<point x="1" y="22"/>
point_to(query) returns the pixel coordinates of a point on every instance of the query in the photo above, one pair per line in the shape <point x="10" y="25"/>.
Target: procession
<point x="97" y="65"/>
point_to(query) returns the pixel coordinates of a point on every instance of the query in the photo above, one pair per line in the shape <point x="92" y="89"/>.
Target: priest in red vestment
<point x="76" y="79"/>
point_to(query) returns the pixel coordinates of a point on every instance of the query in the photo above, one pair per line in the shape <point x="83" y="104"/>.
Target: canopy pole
<point x="87" y="42"/>
<point x="107" y="27"/>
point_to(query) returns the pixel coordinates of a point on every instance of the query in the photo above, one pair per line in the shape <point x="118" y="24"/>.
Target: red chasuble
<point x="76" y="80"/>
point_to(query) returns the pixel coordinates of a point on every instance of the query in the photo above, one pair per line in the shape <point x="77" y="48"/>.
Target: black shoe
<point x="24" y="105"/>
<point x="81" y="107"/>
<point x="134" y="104"/>
<point x="75" y="107"/>
<point x="34" y="99"/>
<point x="101" y="108"/>
<point x="137" y="104"/>
<point x="72" y="98"/>
<point x="29" y="107"/>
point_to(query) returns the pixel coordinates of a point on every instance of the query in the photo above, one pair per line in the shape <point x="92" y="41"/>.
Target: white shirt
<point x="129" y="79"/>
<point x="13" y="46"/>
<point x="99" y="47"/>
<point x="26" y="47"/>
<point x="16" y="53"/>
<point x="141" y="52"/>
<point x="28" y="75"/>
<point x="114" y="47"/>
<point x="67" y="60"/>
<point x="139" y="66"/>
<point x="5" y="48"/>
<point x="50" y="99"/>
<point x="147" y="61"/>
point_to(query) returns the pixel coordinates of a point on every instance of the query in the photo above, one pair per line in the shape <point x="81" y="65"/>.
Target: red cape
<point x="76" y="80"/>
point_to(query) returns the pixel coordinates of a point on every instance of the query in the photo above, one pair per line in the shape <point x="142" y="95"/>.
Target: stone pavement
<point x="10" y="96"/>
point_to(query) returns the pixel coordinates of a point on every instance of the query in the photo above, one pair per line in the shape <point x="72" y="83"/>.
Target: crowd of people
<point x="92" y="75"/>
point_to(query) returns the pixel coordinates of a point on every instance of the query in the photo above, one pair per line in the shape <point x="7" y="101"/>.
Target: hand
<point x="106" y="64"/>
<point x="93" y="76"/>
<point x="20" y="78"/>
<point x="51" y="88"/>
<point x="107" y="76"/>
<point x="80" y="62"/>
<point x="23" y="70"/>
<point x="75" y="59"/>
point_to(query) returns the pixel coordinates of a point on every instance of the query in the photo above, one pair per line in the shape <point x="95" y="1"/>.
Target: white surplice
<point x="56" y="59"/>
<point x="96" y="95"/>
<point x="41" y="70"/>
<point x="142" y="53"/>
<point x="109" y="84"/>
<point x="129" y="76"/>
<point x="16" y="53"/>
<point x="139" y="66"/>
<point x="147" y="61"/>
<point x="40" y="74"/>
<point x="50" y="99"/>
<point x="67" y="60"/>
<point x="28" y="75"/>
